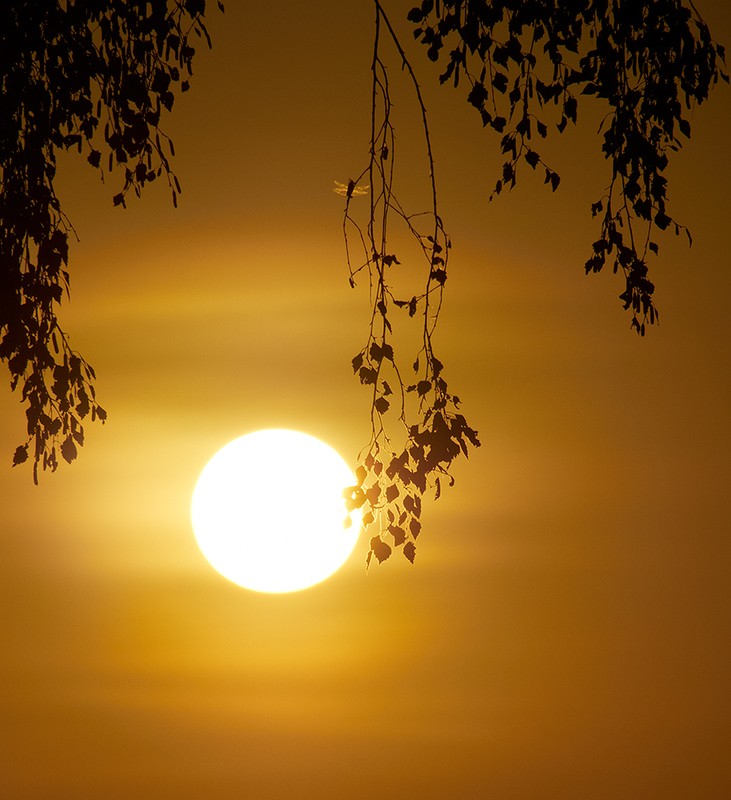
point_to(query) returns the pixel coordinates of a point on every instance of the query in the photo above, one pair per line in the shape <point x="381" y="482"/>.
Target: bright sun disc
<point x="268" y="511"/>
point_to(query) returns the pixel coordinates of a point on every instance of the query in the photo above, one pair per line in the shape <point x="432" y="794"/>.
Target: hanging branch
<point x="528" y="64"/>
<point x="416" y="429"/>
<point x="95" y="79"/>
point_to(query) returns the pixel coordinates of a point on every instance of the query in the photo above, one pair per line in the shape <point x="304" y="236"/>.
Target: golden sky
<point x="565" y="631"/>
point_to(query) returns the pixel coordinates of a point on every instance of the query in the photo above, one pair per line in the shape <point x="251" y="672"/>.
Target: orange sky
<point x="565" y="630"/>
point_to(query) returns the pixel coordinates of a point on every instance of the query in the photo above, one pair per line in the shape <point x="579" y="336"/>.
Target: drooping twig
<point x="416" y="429"/>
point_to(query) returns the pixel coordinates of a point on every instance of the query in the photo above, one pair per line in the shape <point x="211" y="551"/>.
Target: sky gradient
<point x="565" y="631"/>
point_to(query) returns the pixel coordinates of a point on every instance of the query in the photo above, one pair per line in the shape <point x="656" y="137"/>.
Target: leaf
<point x="477" y="95"/>
<point x="439" y="275"/>
<point x="553" y="178"/>
<point x="68" y="449"/>
<point x="367" y="375"/>
<point x="380" y="549"/>
<point x="500" y="82"/>
<point x="20" y="455"/>
<point x="381" y="405"/>
<point x="372" y="494"/>
<point x="410" y="551"/>
<point x="532" y="158"/>
<point x="399" y="534"/>
<point x="662" y="220"/>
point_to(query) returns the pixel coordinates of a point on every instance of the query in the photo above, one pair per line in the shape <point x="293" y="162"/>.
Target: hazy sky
<point x="565" y="631"/>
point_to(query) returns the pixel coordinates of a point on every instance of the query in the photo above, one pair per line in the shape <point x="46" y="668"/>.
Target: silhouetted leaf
<point x="478" y="95"/>
<point x="68" y="449"/>
<point x="398" y="534"/>
<point x="662" y="220"/>
<point x="20" y="455"/>
<point x="381" y="405"/>
<point x="439" y="275"/>
<point x="500" y="82"/>
<point x="373" y="493"/>
<point x="367" y="375"/>
<point x="380" y="549"/>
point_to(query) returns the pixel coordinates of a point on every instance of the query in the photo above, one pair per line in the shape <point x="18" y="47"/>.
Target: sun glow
<point x="268" y="511"/>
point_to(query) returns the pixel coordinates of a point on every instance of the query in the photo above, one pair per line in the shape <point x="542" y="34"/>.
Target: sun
<point x="268" y="511"/>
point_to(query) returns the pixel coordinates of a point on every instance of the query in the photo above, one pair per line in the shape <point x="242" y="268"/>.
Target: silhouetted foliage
<point x="526" y="63"/>
<point x="96" y="78"/>
<point x="405" y="459"/>
<point x="93" y="77"/>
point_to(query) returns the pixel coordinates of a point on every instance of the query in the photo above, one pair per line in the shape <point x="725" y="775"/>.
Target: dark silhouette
<point x="524" y="65"/>
<point x="98" y="77"/>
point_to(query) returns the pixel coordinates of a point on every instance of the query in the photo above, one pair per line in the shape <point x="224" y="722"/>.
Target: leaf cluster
<point x="392" y="478"/>
<point x="94" y="78"/>
<point x="416" y="428"/>
<point x="528" y="62"/>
